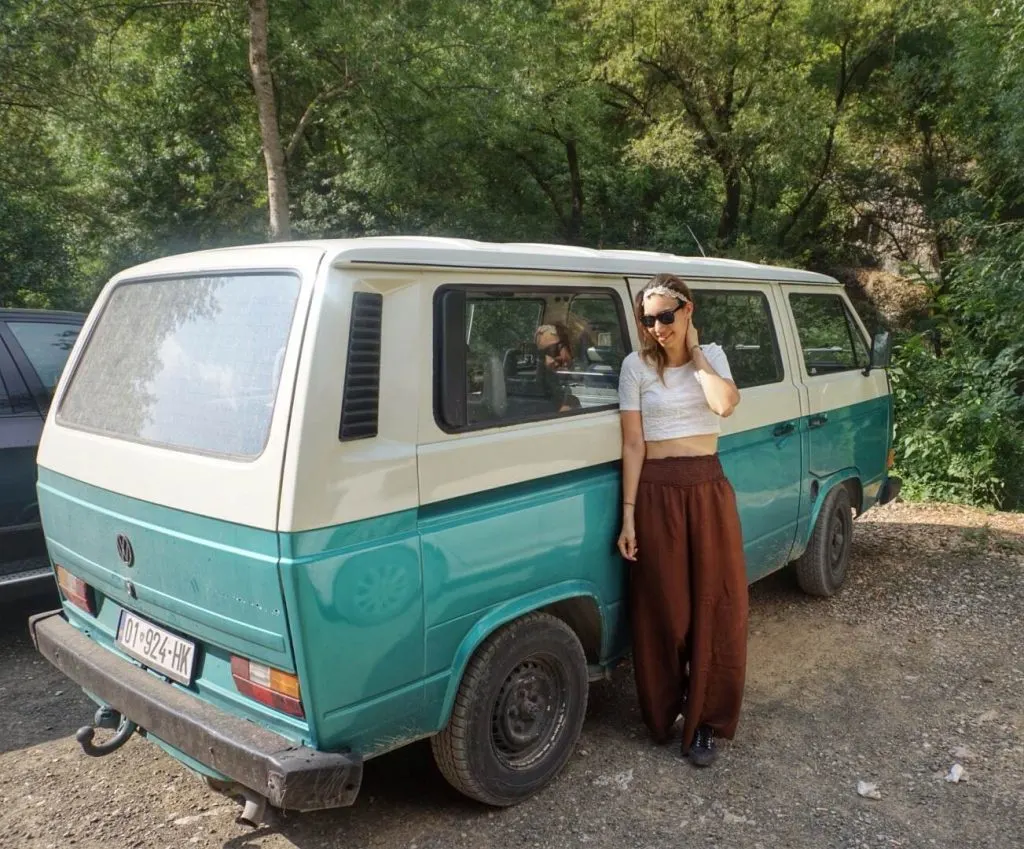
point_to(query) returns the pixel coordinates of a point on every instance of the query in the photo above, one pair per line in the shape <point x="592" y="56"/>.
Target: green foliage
<point x="817" y="133"/>
<point x="960" y="416"/>
<point x="960" y="425"/>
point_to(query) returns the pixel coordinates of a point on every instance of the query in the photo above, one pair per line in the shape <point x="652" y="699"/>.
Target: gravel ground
<point x="917" y="664"/>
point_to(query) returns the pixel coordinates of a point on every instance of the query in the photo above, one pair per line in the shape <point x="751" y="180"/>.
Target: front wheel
<point x="518" y="712"/>
<point x="821" y="569"/>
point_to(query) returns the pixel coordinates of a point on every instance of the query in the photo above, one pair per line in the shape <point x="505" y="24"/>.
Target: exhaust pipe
<point x="255" y="811"/>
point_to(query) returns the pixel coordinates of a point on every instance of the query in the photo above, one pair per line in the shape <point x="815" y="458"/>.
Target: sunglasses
<point x="551" y="350"/>
<point x="665" y="317"/>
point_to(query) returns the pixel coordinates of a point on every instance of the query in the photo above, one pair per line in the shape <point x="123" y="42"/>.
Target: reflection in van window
<point x="828" y="337"/>
<point x="190" y="363"/>
<point x="538" y="354"/>
<point x="741" y="323"/>
<point x="47" y="346"/>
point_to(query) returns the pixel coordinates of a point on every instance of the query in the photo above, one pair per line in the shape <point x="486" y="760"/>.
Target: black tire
<point x="518" y="712"/>
<point x="821" y="569"/>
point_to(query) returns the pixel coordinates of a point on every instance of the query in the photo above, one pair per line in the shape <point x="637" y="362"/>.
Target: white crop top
<point x="676" y="407"/>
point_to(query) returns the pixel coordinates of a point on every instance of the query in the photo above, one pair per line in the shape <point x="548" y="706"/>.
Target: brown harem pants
<point x="688" y="598"/>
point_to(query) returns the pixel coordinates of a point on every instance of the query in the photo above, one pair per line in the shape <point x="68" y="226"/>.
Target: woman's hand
<point x="627" y="540"/>
<point x="691" y="335"/>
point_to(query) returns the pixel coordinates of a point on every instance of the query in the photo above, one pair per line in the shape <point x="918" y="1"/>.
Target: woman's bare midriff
<point x="685" y="446"/>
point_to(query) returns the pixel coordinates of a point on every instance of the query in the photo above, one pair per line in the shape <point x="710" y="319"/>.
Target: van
<point x="310" y="502"/>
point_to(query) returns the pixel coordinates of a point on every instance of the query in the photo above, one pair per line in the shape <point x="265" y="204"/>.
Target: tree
<point x="273" y="152"/>
<point x="700" y="80"/>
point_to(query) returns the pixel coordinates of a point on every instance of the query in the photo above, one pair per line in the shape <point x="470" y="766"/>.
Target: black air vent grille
<point x="361" y="401"/>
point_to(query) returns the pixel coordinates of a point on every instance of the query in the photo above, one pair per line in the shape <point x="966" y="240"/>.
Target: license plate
<point x="158" y="649"/>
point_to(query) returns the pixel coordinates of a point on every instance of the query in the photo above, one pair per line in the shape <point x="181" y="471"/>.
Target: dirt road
<point x="916" y="665"/>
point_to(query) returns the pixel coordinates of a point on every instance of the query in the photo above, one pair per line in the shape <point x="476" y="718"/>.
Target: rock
<point x="868" y="791"/>
<point x="956" y="773"/>
<point x="735" y="819"/>
<point x="621" y="779"/>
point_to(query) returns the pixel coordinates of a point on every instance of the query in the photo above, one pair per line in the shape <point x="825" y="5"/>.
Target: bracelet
<point x="629" y="504"/>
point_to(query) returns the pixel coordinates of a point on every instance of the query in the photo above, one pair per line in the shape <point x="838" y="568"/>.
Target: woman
<point x="688" y="584"/>
<point x="554" y="353"/>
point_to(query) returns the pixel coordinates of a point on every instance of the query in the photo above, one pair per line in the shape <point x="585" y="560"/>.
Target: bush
<point x="959" y="425"/>
<point x="960" y="412"/>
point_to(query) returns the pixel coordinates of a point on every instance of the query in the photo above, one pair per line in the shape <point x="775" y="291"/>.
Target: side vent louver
<point x="361" y="401"/>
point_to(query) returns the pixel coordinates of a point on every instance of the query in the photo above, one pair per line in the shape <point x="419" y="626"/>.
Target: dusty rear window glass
<point x="191" y="363"/>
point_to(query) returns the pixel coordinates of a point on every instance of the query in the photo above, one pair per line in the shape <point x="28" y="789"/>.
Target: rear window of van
<point x="189" y="363"/>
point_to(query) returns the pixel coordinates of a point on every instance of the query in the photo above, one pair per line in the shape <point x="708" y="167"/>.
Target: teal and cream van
<point x="309" y="502"/>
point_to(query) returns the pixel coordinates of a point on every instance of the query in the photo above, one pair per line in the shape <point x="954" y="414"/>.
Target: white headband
<point x="667" y="291"/>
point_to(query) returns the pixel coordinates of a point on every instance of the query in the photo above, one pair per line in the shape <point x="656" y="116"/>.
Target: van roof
<point x="442" y="252"/>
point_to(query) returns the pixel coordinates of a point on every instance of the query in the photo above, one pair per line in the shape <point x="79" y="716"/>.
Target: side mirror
<point x="881" y="351"/>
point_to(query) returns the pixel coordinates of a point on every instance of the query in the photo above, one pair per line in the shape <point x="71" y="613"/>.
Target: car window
<point x="6" y="407"/>
<point x="532" y="355"/>
<point x="190" y="363"/>
<point x="47" y="346"/>
<point x="829" y="339"/>
<point x="741" y="323"/>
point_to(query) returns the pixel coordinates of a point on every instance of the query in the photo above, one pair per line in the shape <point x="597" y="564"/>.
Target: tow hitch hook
<point x="105" y="718"/>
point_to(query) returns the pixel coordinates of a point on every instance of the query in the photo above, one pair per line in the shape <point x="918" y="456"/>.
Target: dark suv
<point x="34" y="346"/>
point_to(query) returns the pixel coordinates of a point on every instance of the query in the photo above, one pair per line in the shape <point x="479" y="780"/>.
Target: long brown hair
<point x="650" y="351"/>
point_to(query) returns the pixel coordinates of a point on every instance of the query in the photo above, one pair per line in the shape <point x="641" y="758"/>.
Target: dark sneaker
<point x="702" y="750"/>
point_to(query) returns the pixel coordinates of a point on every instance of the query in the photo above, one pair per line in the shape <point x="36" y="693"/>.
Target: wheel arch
<point x="577" y="603"/>
<point x="849" y="478"/>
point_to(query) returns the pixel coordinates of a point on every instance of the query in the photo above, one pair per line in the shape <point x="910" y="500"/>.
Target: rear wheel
<point x="821" y="569"/>
<point x="518" y="712"/>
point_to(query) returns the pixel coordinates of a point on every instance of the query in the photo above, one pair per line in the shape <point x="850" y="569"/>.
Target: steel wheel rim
<point x="530" y="712"/>
<point x="839" y="540"/>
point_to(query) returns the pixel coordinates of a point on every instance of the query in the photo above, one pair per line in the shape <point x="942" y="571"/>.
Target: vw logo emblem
<point x="125" y="550"/>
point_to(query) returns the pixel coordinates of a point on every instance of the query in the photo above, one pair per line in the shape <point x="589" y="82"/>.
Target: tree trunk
<point x="729" y="222"/>
<point x="575" y="228"/>
<point x="273" y="153"/>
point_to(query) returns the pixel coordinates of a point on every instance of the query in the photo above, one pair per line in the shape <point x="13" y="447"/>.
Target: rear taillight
<point x="890" y="458"/>
<point x="271" y="687"/>
<point x="77" y="591"/>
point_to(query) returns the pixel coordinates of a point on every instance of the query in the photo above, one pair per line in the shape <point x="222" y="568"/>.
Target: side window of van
<point x="829" y="339"/>
<point x="741" y="323"/>
<point x="517" y="355"/>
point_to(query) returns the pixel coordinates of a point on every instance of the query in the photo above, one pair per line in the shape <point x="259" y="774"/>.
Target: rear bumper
<point x="288" y="775"/>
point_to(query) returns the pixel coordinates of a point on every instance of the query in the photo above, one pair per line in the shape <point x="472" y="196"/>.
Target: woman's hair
<point x="661" y="284"/>
<point x="559" y="330"/>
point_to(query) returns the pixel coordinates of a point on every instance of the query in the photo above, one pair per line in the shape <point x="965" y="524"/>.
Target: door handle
<point x="817" y="420"/>
<point x="784" y="429"/>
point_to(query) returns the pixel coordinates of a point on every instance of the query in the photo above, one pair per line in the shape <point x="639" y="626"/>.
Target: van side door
<point x="519" y="453"/>
<point x="848" y="411"/>
<point x="760" y="446"/>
